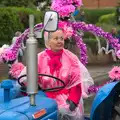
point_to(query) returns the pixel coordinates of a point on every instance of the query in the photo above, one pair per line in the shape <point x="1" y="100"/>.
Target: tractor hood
<point x="20" y="109"/>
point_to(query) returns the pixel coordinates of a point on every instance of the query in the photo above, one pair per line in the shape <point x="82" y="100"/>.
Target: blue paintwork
<point x="7" y="85"/>
<point x="14" y="92"/>
<point x="102" y="104"/>
<point x="18" y="108"/>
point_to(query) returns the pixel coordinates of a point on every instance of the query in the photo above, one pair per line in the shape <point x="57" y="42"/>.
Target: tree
<point x="18" y="3"/>
<point x="43" y="4"/>
<point x="118" y="12"/>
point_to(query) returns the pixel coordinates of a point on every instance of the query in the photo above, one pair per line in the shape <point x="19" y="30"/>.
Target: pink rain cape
<point x="72" y="72"/>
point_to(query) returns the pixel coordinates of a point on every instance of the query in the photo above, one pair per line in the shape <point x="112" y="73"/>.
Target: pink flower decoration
<point x="16" y="69"/>
<point x="115" y="73"/>
<point x="65" y="7"/>
<point x="118" y="54"/>
<point x="62" y="24"/>
<point x="68" y="31"/>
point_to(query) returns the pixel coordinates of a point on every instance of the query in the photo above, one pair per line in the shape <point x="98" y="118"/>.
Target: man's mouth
<point x="59" y="45"/>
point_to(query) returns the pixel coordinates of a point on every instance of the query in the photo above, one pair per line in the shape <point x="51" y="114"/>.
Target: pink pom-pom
<point x="16" y="69"/>
<point x="115" y="73"/>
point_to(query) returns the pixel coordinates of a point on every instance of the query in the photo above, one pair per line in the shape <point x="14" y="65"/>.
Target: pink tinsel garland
<point x="10" y="54"/>
<point x="96" y="31"/>
<point x="94" y="88"/>
<point x="82" y="47"/>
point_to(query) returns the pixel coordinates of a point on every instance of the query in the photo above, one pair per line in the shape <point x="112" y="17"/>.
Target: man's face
<point x="56" y="41"/>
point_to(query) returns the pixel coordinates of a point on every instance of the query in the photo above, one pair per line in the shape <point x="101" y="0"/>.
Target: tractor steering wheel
<point x="48" y="89"/>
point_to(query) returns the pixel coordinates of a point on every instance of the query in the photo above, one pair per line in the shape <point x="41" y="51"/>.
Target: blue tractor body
<point x="104" y="102"/>
<point x="18" y="107"/>
<point x="14" y="92"/>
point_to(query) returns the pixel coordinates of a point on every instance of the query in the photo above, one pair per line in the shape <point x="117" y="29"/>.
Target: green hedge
<point x="108" y="19"/>
<point x="92" y="15"/>
<point x="15" y="19"/>
<point x="93" y="44"/>
<point x="107" y="22"/>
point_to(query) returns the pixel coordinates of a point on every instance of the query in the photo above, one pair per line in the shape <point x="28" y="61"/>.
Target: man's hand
<point x="72" y="105"/>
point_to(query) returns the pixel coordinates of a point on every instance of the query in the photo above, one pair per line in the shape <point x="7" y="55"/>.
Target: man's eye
<point x="56" y="38"/>
<point x="62" y="38"/>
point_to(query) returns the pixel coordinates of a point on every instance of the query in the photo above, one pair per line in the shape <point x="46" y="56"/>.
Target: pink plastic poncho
<point x="70" y="73"/>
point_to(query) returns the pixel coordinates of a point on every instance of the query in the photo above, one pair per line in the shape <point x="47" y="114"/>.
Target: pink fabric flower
<point x="16" y="69"/>
<point x="118" y="54"/>
<point x="68" y="31"/>
<point x="115" y="73"/>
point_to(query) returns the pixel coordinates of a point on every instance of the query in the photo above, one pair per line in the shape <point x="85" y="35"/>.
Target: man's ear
<point x="48" y="43"/>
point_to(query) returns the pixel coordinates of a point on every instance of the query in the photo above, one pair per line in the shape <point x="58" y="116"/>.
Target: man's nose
<point x="59" y="41"/>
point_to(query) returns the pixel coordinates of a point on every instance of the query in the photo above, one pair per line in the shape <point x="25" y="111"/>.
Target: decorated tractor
<point x="20" y="103"/>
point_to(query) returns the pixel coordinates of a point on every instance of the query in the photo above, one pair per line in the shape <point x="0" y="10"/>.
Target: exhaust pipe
<point x="31" y="54"/>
